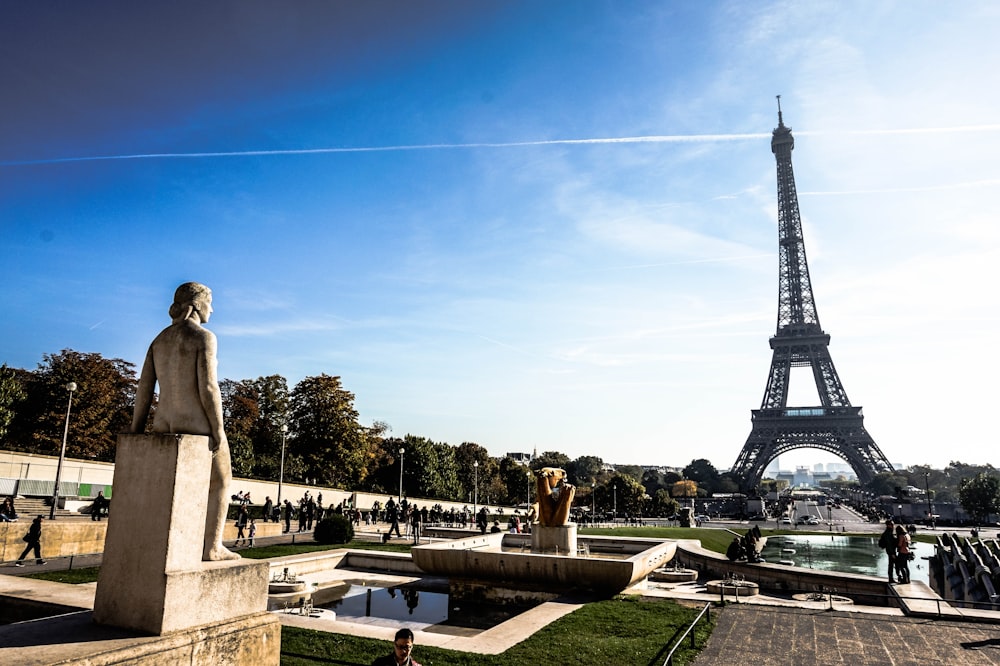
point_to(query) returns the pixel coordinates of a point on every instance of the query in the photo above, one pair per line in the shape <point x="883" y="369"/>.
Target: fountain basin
<point x="606" y="564"/>
<point x="740" y="588"/>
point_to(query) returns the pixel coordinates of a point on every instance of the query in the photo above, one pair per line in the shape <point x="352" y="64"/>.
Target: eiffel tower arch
<point x="834" y="425"/>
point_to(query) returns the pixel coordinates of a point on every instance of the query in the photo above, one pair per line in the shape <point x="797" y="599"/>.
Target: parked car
<point x="703" y="519"/>
<point x="786" y="521"/>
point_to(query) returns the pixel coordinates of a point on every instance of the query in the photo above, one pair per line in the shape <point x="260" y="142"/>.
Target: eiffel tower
<point x="835" y="425"/>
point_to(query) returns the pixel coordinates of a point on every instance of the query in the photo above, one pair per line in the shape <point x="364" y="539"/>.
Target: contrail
<point x="666" y="138"/>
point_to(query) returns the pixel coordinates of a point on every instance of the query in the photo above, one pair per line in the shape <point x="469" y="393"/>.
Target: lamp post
<point x="281" y="472"/>
<point x="593" y="503"/>
<point x="927" y="494"/>
<point x="401" y="452"/>
<point x="62" y="452"/>
<point x="475" y="488"/>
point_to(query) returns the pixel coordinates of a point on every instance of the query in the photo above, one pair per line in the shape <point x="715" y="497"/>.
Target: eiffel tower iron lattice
<point x="835" y="425"/>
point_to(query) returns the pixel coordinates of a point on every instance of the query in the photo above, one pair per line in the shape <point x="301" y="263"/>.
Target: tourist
<point x="252" y="532"/>
<point x="415" y="524"/>
<point x="7" y="512"/>
<point x="268" y="508"/>
<point x="903" y="555"/>
<point x="99" y="507"/>
<point x="496" y="527"/>
<point x="288" y="516"/>
<point x="402" y="651"/>
<point x="241" y="523"/>
<point x="888" y="543"/>
<point x="34" y="540"/>
<point x="736" y="551"/>
<point x="392" y="515"/>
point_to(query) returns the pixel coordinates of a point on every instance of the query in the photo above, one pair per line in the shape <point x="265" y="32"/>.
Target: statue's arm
<point x="144" y="394"/>
<point x="208" y="389"/>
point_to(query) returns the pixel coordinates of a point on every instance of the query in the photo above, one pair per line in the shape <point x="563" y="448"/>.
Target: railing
<point x="707" y="614"/>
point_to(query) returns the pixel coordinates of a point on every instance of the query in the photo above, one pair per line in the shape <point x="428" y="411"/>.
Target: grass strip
<point x="621" y="630"/>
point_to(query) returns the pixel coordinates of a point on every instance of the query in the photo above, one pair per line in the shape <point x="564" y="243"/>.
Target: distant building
<point x="520" y="458"/>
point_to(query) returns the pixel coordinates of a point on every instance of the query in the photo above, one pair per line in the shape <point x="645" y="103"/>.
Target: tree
<point x="550" y="459"/>
<point x="886" y="483"/>
<point x="703" y="472"/>
<point x="684" y="488"/>
<point x="631" y="471"/>
<point x="518" y="481"/>
<point x="662" y="504"/>
<point x="429" y="469"/>
<point x="102" y="405"/>
<point x="336" y="449"/>
<point x="240" y="412"/>
<point x="585" y="470"/>
<point x="272" y="413"/>
<point x="627" y="493"/>
<point x="11" y="394"/>
<point x="980" y="495"/>
<point x="466" y="455"/>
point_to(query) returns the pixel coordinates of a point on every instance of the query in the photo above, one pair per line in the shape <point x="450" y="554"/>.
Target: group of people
<point x="246" y="527"/>
<point x="895" y="540"/>
<point x="746" y="547"/>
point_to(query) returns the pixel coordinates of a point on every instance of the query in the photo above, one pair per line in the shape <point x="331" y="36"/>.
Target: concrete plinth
<point x="74" y="640"/>
<point x="152" y="578"/>
<point x="559" y="540"/>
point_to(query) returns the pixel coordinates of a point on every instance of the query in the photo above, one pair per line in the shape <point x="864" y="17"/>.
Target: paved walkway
<point x="750" y="635"/>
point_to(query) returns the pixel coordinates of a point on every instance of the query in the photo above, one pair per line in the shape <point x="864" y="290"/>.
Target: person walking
<point x="34" y="541"/>
<point x="288" y="516"/>
<point x="241" y="523"/>
<point x="252" y="531"/>
<point x="887" y="542"/>
<point x="415" y="524"/>
<point x="392" y="511"/>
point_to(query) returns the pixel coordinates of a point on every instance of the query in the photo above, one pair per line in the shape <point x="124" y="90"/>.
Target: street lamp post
<point x="927" y="494"/>
<point x="401" y="452"/>
<point x="475" y="488"/>
<point x="281" y="471"/>
<point x="593" y="504"/>
<point x="62" y="452"/>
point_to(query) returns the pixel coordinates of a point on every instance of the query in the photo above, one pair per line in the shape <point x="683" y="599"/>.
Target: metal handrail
<point x="690" y="630"/>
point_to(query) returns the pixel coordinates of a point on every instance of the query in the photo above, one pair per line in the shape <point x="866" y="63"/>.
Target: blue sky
<point x="527" y="225"/>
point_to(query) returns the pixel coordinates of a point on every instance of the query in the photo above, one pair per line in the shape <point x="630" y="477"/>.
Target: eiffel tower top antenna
<point x="780" y="121"/>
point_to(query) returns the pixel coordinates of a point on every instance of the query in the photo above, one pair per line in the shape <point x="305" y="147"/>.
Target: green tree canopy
<point x="550" y="459"/>
<point x="980" y="495"/>
<point x="11" y="395"/>
<point x="335" y="448"/>
<point x="585" y="470"/>
<point x="102" y="405"/>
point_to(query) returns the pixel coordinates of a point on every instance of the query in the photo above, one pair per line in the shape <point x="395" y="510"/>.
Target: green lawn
<point x="72" y="576"/>
<point x="622" y="630"/>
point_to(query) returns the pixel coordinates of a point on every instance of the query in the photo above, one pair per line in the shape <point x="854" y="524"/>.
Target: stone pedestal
<point x="152" y="577"/>
<point x="558" y="540"/>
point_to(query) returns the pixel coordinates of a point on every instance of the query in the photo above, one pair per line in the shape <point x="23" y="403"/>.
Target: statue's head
<point x="553" y="475"/>
<point x="191" y="296"/>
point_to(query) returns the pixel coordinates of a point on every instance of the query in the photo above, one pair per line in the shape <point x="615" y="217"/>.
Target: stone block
<point x="74" y="640"/>
<point x="560" y="540"/>
<point x="152" y="577"/>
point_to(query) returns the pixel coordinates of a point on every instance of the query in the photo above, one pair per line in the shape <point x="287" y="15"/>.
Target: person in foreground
<point x="182" y="360"/>
<point x="402" y="651"/>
